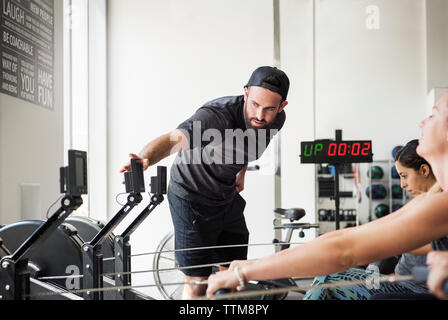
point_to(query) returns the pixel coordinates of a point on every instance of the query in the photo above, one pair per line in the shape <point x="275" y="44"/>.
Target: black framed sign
<point x="27" y="50"/>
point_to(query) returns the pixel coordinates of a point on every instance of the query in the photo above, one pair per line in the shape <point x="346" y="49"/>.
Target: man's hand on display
<point x="127" y="167"/>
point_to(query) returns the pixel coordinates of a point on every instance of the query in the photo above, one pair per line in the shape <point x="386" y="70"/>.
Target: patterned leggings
<point x="361" y="292"/>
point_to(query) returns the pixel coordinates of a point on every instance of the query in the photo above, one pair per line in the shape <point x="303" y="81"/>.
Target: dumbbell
<point x="322" y="214"/>
<point x="351" y="215"/>
<point x="326" y="215"/>
<point x="342" y="215"/>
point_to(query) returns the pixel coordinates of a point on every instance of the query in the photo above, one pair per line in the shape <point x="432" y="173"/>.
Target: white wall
<point x="297" y="54"/>
<point x="371" y="83"/>
<point x="166" y="59"/>
<point x="366" y="81"/>
<point x="371" y="78"/>
<point x="437" y="43"/>
<point x="32" y="142"/>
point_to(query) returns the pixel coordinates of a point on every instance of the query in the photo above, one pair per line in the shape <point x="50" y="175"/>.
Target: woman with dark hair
<point x="415" y="172"/>
<point x="417" y="178"/>
<point x="423" y="220"/>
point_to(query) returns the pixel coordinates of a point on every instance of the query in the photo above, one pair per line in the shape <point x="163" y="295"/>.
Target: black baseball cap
<point x="270" y="78"/>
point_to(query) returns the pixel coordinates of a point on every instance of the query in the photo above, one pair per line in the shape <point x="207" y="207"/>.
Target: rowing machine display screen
<point x="73" y="178"/>
<point x="134" y="179"/>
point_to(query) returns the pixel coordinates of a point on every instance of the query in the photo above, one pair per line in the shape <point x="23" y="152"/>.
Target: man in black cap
<point x="213" y="149"/>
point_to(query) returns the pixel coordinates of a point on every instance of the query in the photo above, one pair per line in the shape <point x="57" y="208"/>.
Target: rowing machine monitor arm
<point x="14" y="276"/>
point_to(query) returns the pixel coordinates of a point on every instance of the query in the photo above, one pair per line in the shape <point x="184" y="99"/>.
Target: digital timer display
<point x="334" y="152"/>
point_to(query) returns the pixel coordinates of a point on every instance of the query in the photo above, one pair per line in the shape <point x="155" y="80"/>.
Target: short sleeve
<point x="204" y="118"/>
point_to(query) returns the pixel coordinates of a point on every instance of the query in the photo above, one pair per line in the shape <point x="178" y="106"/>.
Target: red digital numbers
<point x="356" y="149"/>
<point x="332" y="149"/>
<point x="365" y="150"/>
<point x="343" y="148"/>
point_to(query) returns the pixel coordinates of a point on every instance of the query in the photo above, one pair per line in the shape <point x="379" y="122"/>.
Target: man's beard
<point x="247" y="120"/>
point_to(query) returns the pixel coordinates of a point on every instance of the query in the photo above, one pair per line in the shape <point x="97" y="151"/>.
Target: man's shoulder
<point x="228" y="108"/>
<point x="225" y="102"/>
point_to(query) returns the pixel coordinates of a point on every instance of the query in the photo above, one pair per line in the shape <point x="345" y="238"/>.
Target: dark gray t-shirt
<point x="404" y="267"/>
<point x="220" y="146"/>
<point x="408" y="261"/>
<point x="440" y="244"/>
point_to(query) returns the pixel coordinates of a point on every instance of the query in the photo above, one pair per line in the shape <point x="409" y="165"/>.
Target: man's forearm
<point x="162" y="147"/>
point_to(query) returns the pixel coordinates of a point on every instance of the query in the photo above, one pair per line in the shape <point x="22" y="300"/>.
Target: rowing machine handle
<point x="221" y="291"/>
<point x="420" y="274"/>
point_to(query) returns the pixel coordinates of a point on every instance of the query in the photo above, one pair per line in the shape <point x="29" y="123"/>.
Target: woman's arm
<point x="423" y="251"/>
<point x="386" y="219"/>
<point x="419" y="223"/>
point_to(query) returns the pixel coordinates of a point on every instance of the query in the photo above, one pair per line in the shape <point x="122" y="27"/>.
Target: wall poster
<point x="27" y="50"/>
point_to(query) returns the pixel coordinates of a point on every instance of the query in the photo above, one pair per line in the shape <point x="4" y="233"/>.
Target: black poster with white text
<point x="27" y="50"/>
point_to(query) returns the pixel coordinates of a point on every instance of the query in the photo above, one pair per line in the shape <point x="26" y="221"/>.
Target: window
<point x="85" y="95"/>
